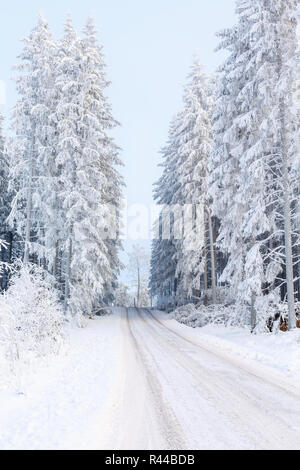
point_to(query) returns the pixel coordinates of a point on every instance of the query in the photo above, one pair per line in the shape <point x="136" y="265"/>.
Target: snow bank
<point x="220" y="330"/>
<point x="65" y="396"/>
<point x="199" y="316"/>
<point x="280" y="351"/>
<point x="31" y="324"/>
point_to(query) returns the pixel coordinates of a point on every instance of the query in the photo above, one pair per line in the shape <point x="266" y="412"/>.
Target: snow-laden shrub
<point x="200" y="316"/>
<point x="271" y="314"/>
<point x="224" y="297"/>
<point x="31" y="317"/>
<point x="267" y="307"/>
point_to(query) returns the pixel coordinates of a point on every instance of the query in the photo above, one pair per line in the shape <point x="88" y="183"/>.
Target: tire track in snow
<point x="264" y="429"/>
<point x="170" y="427"/>
<point x="234" y="362"/>
<point x="208" y="388"/>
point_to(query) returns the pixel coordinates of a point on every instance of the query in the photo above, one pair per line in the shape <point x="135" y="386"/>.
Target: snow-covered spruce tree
<point x="296" y="223"/>
<point x="184" y="259"/>
<point x="255" y="201"/>
<point x="163" y="283"/>
<point x="268" y="138"/>
<point x="30" y="125"/>
<point x="111" y="189"/>
<point x="89" y="180"/>
<point x="236" y="186"/>
<point x="6" y="235"/>
<point x="282" y="32"/>
<point x="257" y="218"/>
<point x="139" y="272"/>
<point x="155" y="279"/>
<point x="3" y="182"/>
<point x="49" y="170"/>
<point x="122" y="296"/>
<point x="224" y="164"/>
<point x="194" y="148"/>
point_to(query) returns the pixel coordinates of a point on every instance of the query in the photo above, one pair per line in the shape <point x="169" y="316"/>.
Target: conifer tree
<point x="30" y="124"/>
<point x="90" y="183"/>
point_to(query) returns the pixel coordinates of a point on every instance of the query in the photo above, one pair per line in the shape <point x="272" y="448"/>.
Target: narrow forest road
<point x="173" y="393"/>
<point x="137" y="379"/>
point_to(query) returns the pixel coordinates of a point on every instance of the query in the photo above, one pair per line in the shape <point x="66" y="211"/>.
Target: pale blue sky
<point x="149" y="47"/>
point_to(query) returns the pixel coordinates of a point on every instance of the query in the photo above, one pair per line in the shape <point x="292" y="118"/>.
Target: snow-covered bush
<point x="122" y="296"/>
<point x="31" y="317"/>
<point x="199" y="316"/>
<point x="224" y="296"/>
<point x="271" y="314"/>
<point x="267" y="309"/>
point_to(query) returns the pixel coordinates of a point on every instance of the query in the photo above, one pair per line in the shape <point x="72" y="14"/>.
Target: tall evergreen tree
<point x="89" y="180"/>
<point x="194" y="148"/>
<point x="180" y="261"/>
<point x="30" y="124"/>
<point x="6" y="235"/>
<point x="163" y="283"/>
<point x="252" y="182"/>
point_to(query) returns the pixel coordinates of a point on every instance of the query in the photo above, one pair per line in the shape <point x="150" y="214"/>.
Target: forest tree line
<point x="233" y="158"/>
<point x="58" y="169"/>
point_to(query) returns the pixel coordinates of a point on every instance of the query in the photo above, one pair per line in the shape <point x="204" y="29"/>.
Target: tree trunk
<point x="253" y="313"/>
<point x="139" y="288"/>
<point x="10" y="250"/>
<point x="28" y="218"/>
<point x="287" y="225"/>
<point x="205" y="275"/>
<point x="56" y="269"/>
<point x="213" y="260"/>
<point x="29" y="201"/>
<point x="286" y="197"/>
<point x="68" y="273"/>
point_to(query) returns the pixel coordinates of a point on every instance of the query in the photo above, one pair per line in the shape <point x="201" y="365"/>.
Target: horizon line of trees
<point x="233" y="158"/>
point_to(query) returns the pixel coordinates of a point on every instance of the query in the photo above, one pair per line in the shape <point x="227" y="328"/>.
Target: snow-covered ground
<point x="64" y="396"/>
<point x="140" y="380"/>
<point x="280" y="350"/>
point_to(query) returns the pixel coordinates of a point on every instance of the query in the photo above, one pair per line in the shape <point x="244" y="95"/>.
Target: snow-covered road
<point x="176" y="394"/>
<point x="139" y="380"/>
